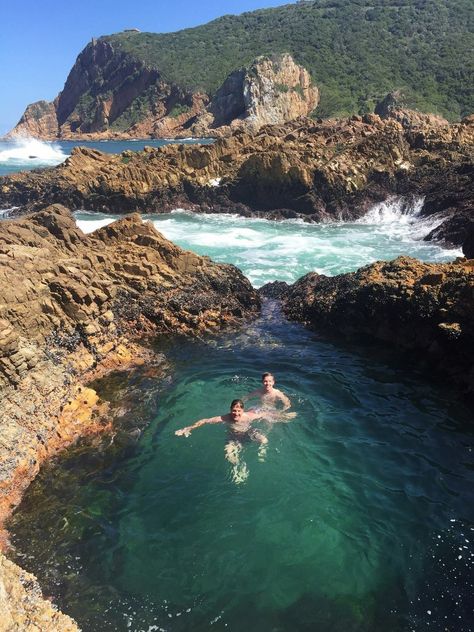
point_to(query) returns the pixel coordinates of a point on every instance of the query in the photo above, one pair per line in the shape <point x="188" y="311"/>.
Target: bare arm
<point x="286" y="401"/>
<point x="187" y="430"/>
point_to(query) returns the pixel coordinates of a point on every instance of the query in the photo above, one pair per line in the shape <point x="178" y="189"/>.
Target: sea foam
<point x="28" y="152"/>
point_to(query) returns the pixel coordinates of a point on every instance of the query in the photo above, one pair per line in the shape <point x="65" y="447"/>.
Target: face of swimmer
<point x="268" y="382"/>
<point x="236" y="412"/>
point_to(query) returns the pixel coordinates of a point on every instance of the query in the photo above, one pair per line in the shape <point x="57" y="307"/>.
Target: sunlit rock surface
<point x="315" y="171"/>
<point x="74" y="307"/>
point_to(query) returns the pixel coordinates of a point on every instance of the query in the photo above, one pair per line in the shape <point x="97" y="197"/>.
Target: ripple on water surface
<point x="359" y="517"/>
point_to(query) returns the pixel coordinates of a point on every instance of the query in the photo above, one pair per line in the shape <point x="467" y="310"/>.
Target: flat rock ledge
<point x="421" y="307"/>
<point x="72" y="308"/>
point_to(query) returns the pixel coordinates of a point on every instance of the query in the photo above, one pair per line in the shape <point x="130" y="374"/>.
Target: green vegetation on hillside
<point x="355" y="50"/>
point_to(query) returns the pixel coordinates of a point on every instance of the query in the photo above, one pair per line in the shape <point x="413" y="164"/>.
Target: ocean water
<point x="24" y="153"/>
<point x="358" y="518"/>
<point x="266" y="250"/>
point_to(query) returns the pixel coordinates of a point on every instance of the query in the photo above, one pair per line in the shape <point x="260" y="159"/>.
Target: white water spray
<point x="30" y="152"/>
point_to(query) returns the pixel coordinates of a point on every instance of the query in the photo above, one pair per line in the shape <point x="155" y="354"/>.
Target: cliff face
<point x="39" y="121"/>
<point x="111" y="94"/>
<point x="272" y="91"/>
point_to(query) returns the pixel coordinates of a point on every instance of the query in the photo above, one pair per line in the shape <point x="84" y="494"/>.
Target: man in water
<point x="239" y="425"/>
<point x="268" y="394"/>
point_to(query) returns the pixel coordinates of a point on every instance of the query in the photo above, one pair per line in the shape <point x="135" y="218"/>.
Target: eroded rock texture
<point x="22" y="607"/>
<point x="271" y="91"/>
<point x="428" y="308"/>
<point x="73" y="307"/>
<point x="316" y="171"/>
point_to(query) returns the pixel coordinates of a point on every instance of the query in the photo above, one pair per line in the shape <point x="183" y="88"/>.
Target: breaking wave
<point x="28" y="153"/>
<point x="266" y="250"/>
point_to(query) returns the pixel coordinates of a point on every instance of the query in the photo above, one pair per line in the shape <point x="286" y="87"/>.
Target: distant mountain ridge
<point x="150" y="84"/>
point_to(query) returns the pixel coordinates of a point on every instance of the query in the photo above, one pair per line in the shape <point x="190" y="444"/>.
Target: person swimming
<point x="238" y="422"/>
<point x="268" y="394"/>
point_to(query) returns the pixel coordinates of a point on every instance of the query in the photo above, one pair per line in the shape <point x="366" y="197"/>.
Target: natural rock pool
<point x="358" y="518"/>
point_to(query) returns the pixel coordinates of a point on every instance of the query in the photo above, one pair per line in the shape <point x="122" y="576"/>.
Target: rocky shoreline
<point x="75" y="307"/>
<point x="425" y="309"/>
<point x="317" y="171"/>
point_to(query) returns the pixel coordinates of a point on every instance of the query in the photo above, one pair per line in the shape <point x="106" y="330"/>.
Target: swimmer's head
<point x="236" y="409"/>
<point x="268" y="381"/>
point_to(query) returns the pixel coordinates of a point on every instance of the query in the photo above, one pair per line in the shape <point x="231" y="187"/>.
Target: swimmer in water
<point x="239" y="425"/>
<point x="268" y="394"/>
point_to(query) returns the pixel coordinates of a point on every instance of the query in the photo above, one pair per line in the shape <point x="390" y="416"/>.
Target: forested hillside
<point x="355" y="50"/>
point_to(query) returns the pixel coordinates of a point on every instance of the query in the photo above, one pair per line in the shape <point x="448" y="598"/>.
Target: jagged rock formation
<point x="39" y="121"/>
<point x="22" y="606"/>
<point x="314" y="170"/>
<point x="427" y="308"/>
<point x="271" y="91"/>
<point x="109" y="94"/>
<point x="394" y="106"/>
<point x="73" y="307"/>
<point x="353" y="51"/>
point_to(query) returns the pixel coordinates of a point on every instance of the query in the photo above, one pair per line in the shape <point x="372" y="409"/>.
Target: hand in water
<point x="184" y="431"/>
<point x="284" y="417"/>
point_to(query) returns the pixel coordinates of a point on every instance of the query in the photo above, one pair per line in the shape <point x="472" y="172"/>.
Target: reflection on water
<point x="359" y="518"/>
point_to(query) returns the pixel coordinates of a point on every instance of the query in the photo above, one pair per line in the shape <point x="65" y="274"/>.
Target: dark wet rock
<point x="468" y="245"/>
<point x="275" y="289"/>
<point x="454" y="231"/>
<point x="426" y="308"/>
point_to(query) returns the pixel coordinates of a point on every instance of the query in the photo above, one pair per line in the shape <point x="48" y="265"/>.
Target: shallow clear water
<point x="266" y="250"/>
<point x="23" y="154"/>
<point x="360" y="516"/>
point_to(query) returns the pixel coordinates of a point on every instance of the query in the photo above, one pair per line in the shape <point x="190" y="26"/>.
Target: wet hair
<point x="237" y="402"/>
<point x="264" y="375"/>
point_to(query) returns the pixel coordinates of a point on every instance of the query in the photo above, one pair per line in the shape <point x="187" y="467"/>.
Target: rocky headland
<point x="74" y="307"/>
<point x="263" y="67"/>
<point x="420" y="308"/>
<point x="318" y="171"/>
<point x="109" y="95"/>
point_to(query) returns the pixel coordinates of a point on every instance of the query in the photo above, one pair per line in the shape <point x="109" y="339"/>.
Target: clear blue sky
<point x="40" y="39"/>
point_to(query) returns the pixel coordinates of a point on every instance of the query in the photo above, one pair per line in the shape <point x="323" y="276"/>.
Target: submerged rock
<point x="427" y="308"/>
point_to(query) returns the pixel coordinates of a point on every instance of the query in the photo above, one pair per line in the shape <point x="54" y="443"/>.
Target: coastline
<point x="332" y="170"/>
<point x="78" y="306"/>
<point x="75" y="308"/>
